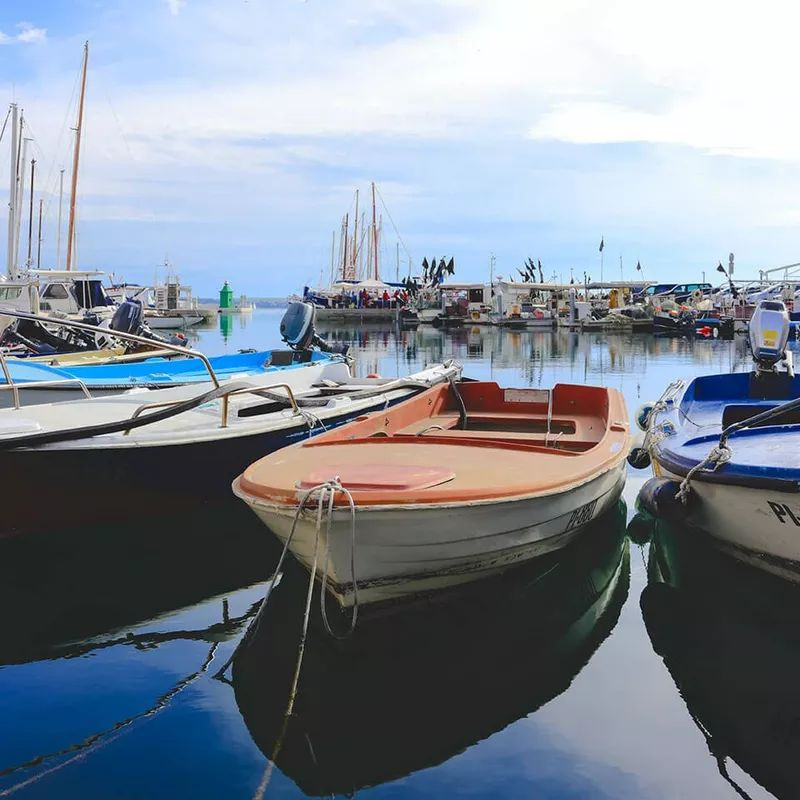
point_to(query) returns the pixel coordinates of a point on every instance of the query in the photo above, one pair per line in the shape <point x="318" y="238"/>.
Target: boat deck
<point x="427" y="451"/>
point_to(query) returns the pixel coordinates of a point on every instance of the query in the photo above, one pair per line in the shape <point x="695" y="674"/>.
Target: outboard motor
<point x="128" y="317"/>
<point x="769" y="332"/>
<point x="297" y="326"/>
<point x="297" y="329"/>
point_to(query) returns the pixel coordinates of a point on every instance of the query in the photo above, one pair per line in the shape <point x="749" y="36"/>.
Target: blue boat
<point x="724" y="451"/>
<point x="63" y="383"/>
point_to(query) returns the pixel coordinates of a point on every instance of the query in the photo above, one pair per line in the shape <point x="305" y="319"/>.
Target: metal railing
<point x="68" y="323"/>
<point x="225" y="398"/>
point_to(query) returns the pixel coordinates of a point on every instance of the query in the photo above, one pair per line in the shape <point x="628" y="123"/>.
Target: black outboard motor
<point x="297" y="329"/>
<point x="128" y="317"/>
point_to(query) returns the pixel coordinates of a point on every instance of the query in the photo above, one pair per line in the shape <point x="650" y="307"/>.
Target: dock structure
<point x="356" y="314"/>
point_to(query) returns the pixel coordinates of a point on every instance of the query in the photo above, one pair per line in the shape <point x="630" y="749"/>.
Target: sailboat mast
<point x="39" y="241"/>
<point x="60" y="205"/>
<point x="354" y="254"/>
<point x="11" y="267"/>
<point x="374" y="232"/>
<point x="345" y="224"/>
<point x="28" y="261"/>
<point x="75" y="157"/>
<point x="20" y="196"/>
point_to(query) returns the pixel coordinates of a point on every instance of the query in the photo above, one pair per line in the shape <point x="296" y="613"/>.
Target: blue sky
<point x="230" y="136"/>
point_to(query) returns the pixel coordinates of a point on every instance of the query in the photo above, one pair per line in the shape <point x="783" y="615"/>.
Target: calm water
<point x="615" y="670"/>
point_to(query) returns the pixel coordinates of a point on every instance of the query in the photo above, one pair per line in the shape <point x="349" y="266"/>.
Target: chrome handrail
<point x="225" y="401"/>
<point x="41" y="384"/>
<point x="9" y="381"/>
<point x="131" y="337"/>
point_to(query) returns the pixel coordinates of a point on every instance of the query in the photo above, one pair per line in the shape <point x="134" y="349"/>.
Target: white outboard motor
<point x="769" y="332"/>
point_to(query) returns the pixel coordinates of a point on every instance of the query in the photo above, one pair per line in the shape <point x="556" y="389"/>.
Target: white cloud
<point x="28" y="34"/>
<point x="175" y="6"/>
<point x="301" y="101"/>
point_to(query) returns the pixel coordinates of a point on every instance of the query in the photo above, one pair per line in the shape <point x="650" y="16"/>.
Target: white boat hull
<point x="758" y="526"/>
<point x="407" y="550"/>
<point x="175" y="322"/>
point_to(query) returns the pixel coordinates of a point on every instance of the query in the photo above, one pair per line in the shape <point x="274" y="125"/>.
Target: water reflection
<point x="412" y="689"/>
<point x="60" y="590"/>
<point x="533" y="355"/>
<point x="730" y="638"/>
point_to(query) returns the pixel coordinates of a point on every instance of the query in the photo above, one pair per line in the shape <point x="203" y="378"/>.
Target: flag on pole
<point x="638" y="267"/>
<point x="602" y="244"/>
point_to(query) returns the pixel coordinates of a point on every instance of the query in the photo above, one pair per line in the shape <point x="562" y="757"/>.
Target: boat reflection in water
<point x="414" y="686"/>
<point x="61" y="590"/>
<point x="730" y="637"/>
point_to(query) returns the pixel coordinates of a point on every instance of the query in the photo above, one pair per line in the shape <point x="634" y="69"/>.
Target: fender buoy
<point x="640" y="528"/>
<point x="373" y="375"/>
<point x="639" y="456"/>
<point x="657" y="497"/>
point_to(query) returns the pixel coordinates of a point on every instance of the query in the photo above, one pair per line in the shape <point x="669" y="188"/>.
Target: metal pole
<point x="12" y="191"/>
<point x="60" y="204"/>
<point x="39" y="243"/>
<point x="20" y="196"/>
<point x="28" y="260"/>
<point x="374" y="232"/>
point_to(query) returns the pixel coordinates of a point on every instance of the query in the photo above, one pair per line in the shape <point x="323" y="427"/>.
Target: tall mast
<point x="20" y="197"/>
<point x="345" y="266"/>
<point x="374" y="232"/>
<point x="11" y="267"/>
<point x="28" y="261"/>
<point x="60" y="204"/>
<point x="397" y="262"/>
<point x="39" y="242"/>
<point x="354" y="249"/>
<point x="333" y="249"/>
<point x="75" y="156"/>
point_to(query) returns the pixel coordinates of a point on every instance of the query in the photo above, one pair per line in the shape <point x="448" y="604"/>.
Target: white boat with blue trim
<point x="724" y="452"/>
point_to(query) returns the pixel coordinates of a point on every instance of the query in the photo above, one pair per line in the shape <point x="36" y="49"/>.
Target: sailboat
<point x="357" y="271"/>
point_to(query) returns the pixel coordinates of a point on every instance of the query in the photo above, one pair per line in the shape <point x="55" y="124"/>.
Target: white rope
<point x="656" y="433"/>
<point x="720" y="454"/>
<point x="327" y="494"/>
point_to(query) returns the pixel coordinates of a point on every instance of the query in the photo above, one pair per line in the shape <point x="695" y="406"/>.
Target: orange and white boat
<point x="461" y="481"/>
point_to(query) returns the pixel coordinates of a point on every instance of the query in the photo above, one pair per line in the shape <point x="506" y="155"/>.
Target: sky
<point x="229" y="137"/>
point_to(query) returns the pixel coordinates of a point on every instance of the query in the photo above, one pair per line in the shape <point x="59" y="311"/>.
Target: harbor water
<point x="636" y="664"/>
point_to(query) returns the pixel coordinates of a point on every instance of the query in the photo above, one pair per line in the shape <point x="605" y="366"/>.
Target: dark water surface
<point x="611" y="670"/>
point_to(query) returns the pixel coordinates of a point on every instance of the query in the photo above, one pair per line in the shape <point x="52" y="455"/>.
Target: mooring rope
<point x="655" y="433"/>
<point x="327" y="494"/>
<point x="721" y="453"/>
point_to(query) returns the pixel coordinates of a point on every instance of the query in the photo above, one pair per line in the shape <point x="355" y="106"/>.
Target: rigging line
<point x="62" y="130"/>
<point x="5" y="122"/>
<point x="119" y="126"/>
<point x="388" y="214"/>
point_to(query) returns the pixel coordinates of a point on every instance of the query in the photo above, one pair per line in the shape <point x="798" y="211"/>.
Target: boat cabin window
<point x="55" y="291"/>
<point x="90" y="294"/>
<point x="476" y="295"/>
<point x="10" y="292"/>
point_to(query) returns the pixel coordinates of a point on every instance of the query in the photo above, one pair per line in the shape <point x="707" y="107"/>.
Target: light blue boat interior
<point x="160" y="371"/>
<point x="711" y="403"/>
